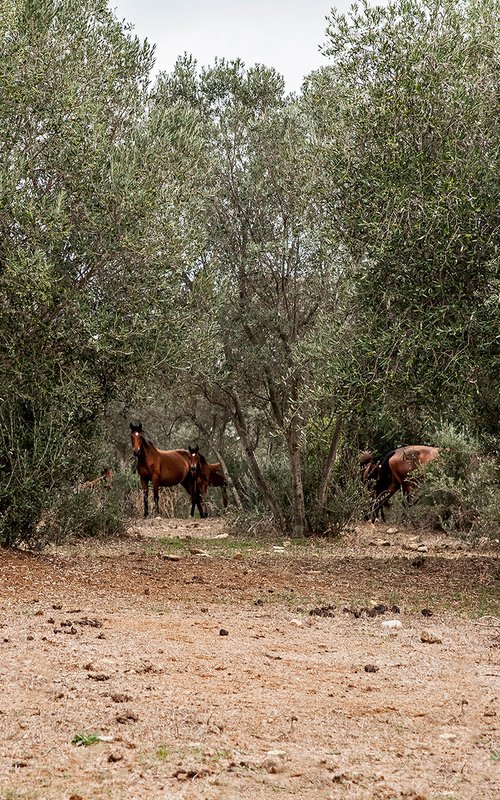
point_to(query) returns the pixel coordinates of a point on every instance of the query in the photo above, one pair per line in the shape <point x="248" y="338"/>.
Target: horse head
<point x="369" y="467"/>
<point x="194" y="460"/>
<point x="136" y="436"/>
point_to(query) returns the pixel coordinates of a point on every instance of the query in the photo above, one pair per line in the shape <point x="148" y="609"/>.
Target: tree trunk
<point x="298" y="505"/>
<point x="330" y="459"/>
<point x="262" y="485"/>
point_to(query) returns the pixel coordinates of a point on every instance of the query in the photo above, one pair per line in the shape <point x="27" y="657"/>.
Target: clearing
<point x="224" y="668"/>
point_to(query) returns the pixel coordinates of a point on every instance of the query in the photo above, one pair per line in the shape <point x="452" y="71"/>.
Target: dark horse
<point x="369" y="468"/>
<point x="161" y="467"/>
<point x="394" y="473"/>
<point x="204" y="475"/>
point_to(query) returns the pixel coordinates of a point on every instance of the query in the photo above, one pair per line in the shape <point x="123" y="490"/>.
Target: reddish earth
<point x="116" y="639"/>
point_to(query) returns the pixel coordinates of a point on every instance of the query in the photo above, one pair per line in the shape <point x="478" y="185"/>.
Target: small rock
<point x="169" y="557"/>
<point x="297" y="622"/>
<point x="450" y="737"/>
<point x="30" y="638"/>
<point x="371" y="668"/>
<point x="322" y="611"/>
<point x="128" y="716"/>
<point x="273" y="765"/>
<point x="120" y="698"/>
<point x="391" y="531"/>
<point x="430" y="638"/>
<point x="426" y="612"/>
<point x="223" y="632"/>
<point x="146" y="590"/>
<point x="395" y="610"/>
<point x="422" y="548"/>
<point x="114" y="757"/>
<point x="377" y="609"/>
<point x="392" y="624"/>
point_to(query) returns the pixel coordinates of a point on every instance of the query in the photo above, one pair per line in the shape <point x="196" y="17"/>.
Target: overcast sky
<point x="278" y="33"/>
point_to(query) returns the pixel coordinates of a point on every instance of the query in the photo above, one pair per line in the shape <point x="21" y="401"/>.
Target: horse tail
<point x="384" y="477"/>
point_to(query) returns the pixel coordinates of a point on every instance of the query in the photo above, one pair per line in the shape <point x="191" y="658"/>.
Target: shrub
<point x="460" y="494"/>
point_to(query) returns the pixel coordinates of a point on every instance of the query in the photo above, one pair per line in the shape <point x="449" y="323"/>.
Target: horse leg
<point x="145" y="490"/>
<point x="201" y="491"/>
<point x="156" y="496"/>
<point x="199" y="504"/>
<point x="194" y="495"/>
<point x="409" y="500"/>
<point x="380" y="501"/>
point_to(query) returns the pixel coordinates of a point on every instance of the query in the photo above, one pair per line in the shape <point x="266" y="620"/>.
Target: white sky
<point x="284" y="34"/>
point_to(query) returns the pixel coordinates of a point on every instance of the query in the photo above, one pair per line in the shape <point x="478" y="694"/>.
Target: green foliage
<point x="259" y="265"/>
<point x="460" y="493"/>
<point x="89" y="244"/>
<point x="85" y="739"/>
<point x="405" y="120"/>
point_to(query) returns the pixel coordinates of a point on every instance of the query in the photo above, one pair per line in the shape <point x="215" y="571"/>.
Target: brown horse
<point x="161" y="467"/>
<point x="216" y="477"/>
<point x="394" y="473"/>
<point x="204" y="475"/>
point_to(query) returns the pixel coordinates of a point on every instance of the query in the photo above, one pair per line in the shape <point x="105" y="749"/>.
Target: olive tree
<point x="91" y="243"/>
<point x="406" y="132"/>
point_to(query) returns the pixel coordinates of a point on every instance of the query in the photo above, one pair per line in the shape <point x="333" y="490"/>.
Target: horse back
<point x="407" y="459"/>
<point x="172" y="466"/>
<point x="215" y="475"/>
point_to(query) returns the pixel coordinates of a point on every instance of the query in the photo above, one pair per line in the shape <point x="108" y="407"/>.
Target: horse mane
<point x="384" y="477"/>
<point x="366" y="457"/>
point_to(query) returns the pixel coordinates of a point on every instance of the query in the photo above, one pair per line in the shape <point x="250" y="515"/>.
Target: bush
<point x="460" y="494"/>
<point x="348" y="502"/>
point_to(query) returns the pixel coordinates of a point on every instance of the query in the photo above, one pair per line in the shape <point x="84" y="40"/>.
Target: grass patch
<point x="83" y="739"/>
<point x="162" y="753"/>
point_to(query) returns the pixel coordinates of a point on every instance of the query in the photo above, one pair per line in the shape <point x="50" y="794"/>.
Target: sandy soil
<point x="307" y="695"/>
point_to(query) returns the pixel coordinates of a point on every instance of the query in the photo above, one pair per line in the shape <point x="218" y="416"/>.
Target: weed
<point x="85" y="739"/>
<point x="162" y="753"/>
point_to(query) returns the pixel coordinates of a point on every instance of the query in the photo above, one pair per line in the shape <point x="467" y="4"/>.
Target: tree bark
<point x="263" y="486"/>
<point x="330" y="459"/>
<point x="298" y="504"/>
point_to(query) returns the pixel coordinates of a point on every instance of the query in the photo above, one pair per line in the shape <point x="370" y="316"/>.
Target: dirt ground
<point x="223" y="668"/>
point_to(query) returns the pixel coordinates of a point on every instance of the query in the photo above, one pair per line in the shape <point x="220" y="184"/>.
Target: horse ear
<point x="196" y="449"/>
<point x="131" y="427"/>
<point x="139" y="427"/>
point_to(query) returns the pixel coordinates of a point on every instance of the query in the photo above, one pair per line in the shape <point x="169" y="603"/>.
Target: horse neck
<point x="384" y="476"/>
<point x="148" y="452"/>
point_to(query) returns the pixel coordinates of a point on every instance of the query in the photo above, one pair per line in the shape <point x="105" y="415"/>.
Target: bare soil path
<point x="224" y="668"/>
